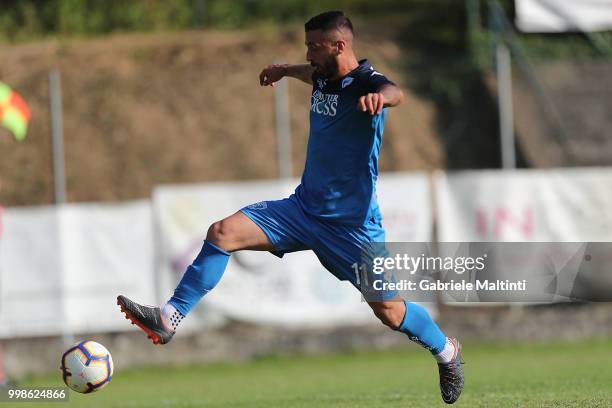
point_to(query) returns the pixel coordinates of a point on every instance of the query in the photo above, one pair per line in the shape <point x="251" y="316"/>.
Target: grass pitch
<point x="508" y="375"/>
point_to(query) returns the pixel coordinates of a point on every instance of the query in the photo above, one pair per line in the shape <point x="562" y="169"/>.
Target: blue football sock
<point x="200" y="277"/>
<point x="421" y="328"/>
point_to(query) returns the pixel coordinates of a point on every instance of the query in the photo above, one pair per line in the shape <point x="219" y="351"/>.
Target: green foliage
<point x="25" y="19"/>
<point x="22" y="20"/>
<point x="537" y="46"/>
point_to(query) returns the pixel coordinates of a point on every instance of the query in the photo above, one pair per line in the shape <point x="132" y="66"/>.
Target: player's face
<point x="322" y="53"/>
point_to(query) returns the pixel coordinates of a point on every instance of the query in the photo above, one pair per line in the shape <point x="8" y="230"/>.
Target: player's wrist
<point x="285" y="70"/>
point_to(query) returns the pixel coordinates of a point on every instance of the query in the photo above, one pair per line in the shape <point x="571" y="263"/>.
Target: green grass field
<point x="509" y="375"/>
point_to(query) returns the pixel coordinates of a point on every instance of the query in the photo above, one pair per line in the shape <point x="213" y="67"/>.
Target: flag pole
<point x="57" y="137"/>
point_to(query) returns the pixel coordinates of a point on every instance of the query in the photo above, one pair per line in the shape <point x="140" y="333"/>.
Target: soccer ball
<point x="87" y="367"/>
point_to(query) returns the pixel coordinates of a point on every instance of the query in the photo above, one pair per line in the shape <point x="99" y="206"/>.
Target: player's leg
<point x="233" y="233"/>
<point x="340" y="248"/>
<point x="413" y="320"/>
<point x="238" y="232"/>
<point x="266" y="226"/>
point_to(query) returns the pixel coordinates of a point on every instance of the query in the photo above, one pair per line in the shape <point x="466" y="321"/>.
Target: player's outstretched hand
<point x="373" y="103"/>
<point x="271" y="74"/>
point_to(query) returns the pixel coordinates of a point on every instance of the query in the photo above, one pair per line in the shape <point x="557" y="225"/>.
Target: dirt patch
<point x="147" y="109"/>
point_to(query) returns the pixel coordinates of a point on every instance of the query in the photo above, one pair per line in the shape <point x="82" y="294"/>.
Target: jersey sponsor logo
<point x="262" y="205"/>
<point x="324" y="104"/>
<point x="346" y="82"/>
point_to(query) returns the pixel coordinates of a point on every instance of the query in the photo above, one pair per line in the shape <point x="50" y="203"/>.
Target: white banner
<point x="61" y="268"/>
<point x="563" y="15"/>
<point x="258" y="287"/>
<point x="561" y="205"/>
<point x="30" y="278"/>
<point x="405" y="203"/>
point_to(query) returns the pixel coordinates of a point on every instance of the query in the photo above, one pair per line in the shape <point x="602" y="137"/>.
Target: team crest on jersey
<point x="262" y="205"/>
<point x="321" y="83"/>
<point x="346" y="82"/>
<point x="324" y="104"/>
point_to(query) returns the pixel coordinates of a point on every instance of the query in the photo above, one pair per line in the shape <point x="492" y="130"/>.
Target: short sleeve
<point x="375" y="80"/>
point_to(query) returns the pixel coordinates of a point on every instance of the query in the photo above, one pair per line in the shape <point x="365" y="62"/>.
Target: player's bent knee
<point x="220" y="235"/>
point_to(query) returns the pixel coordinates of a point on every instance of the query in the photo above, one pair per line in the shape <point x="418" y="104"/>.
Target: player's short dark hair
<point x="328" y="21"/>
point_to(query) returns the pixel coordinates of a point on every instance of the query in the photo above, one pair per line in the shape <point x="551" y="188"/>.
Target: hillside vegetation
<point x="146" y="109"/>
<point x="159" y="106"/>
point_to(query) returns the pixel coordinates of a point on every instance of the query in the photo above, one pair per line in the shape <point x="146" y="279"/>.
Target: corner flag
<point x="14" y="112"/>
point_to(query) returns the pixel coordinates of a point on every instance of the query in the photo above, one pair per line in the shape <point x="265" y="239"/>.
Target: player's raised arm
<point x="275" y="72"/>
<point x="388" y="95"/>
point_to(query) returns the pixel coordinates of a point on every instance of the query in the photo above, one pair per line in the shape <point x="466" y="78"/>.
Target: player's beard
<point x="329" y="68"/>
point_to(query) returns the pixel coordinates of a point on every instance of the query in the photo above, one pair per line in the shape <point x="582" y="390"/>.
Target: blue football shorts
<point x="342" y="249"/>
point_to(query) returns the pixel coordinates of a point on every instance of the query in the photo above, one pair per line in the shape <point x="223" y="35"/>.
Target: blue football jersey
<point x="339" y="180"/>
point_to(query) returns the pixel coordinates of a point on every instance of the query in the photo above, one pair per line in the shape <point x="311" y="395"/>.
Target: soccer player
<point x="333" y="211"/>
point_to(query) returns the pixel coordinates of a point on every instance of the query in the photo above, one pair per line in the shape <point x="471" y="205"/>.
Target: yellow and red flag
<point x="14" y="112"/>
